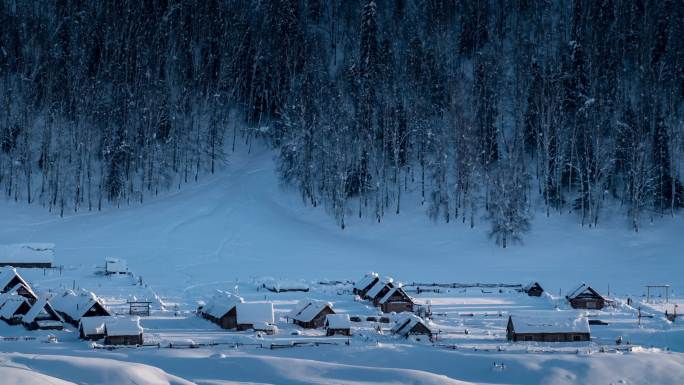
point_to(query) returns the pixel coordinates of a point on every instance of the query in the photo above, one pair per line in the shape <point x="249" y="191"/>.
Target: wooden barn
<point x="362" y="286"/>
<point x="13" y="308"/>
<point x="255" y="315"/>
<point x="533" y="289"/>
<point x="72" y="307"/>
<point x="311" y="314"/>
<point x="585" y="297"/>
<point x="221" y="309"/>
<point x="123" y="331"/>
<point x="337" y="324"/>
<point x="27" y="255"/>
<point x="42" y="316"/>
<point x="92" y="328"/>
<point x="546" y="329"/>
<point x="396" y="300"/>
<point x="410" y="324"/>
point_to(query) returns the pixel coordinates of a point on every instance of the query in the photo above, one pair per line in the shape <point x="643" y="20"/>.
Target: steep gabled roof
<point x="10" y="305"/>
<point x="392" y="292"/>
<point x="405" y="324"/>
<point x="42" y="306"/>
<point x="221" y="303"/>
<point x="365" y="281"/>
<point x="583" y="290"/>
<point x="307" y="310"/>
<point x="76" y="305"/>
<point x="377" y="288"/>
<point x="7" y="274"/>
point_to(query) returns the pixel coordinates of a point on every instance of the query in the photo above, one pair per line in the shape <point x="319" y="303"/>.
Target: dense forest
<point x="486" y="110"/>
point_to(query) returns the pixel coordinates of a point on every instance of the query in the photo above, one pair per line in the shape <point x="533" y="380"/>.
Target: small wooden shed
<point x="533" y="289"/>
<point x="337" y="324"/>
<point x="92" y="328"/>
<point x="410" y="324"/>
<point x="311" y="314"/>
<point x="362" y="286"/>
<point x="254" y="315"/>
<point x="221" y="309"/>
<point x="548" y="329"/>
<point x="585" y="297"/>
<point x="123" y="331"/>
<point x="72" y="307"/>
<point x="396" y="300"/>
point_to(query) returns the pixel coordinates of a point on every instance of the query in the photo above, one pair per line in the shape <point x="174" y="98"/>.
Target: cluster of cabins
<point x="384" y="293"/>
<point x="19" y="304"/>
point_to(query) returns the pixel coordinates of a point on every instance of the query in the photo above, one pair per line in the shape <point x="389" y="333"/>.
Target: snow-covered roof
<point x="391" y="292"/>
<point x="530" y="285"/>
<point x="123" y="326"/>
<point x="338" y="321"/>
<point x="550" y="324"/>
<point x="42" y="306"/>
<point x="18" y="287"/>
<point x="93" y="325"/>
<point x="375" y="290"/>
<point x="10" y="305"/>
<point x="75" y="305"/>
<point x="27" y="253"/>
<point x="221" y="303"/>
<point x="365" y="281"/>
<point x="7" y="273"/>
<point x="254" y="312"/>
<point x="406" y="322"/>
<point x="582" y="288"/>
<point x="116" y="265"/>
<point x="282" y="284"/>
<point x="306" y="310"/>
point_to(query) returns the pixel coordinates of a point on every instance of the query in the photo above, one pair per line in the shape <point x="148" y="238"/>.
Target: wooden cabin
<point x="27" y="255"/>
<point x="337" y="324"/>
<point x="311" y="314"/>
<point x="11" y="279"/>
<point x="410" y="324"/>
<point x="362" y="286"/>
<point x="42" y="316"/>
<point x="533" y="289"/>
<point x="396" y="300"/>
<point x="13" y="308"/>
<point x="545" y="329"/>
<point x="254" y="315"/>
<point x="72" y="307"/>
<point x="123" y="331"/>
<point x="92" y="328"/>
<point x="585" y="297"/>
<point x="220" y="309"/>
<point x="24" y="291"/>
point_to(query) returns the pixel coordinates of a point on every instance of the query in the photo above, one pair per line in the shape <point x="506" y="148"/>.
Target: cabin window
<point x="576" y="338"/>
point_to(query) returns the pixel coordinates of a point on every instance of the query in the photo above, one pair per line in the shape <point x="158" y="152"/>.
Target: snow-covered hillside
<point x="239" y="224"/>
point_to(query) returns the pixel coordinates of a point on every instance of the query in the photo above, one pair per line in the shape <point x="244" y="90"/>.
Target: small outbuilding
<point x="72" y="307"/>
<point x="533" y="289"/>
<point x="123" y="331"/>
<point x="42" y="316"/>
<point x="13" y="308"/>
<point x="221" y="309"/>
<point x="92" y="328"/>
<point x="116" y="266"/>
<point x="27" y="255"/>
<point x="585" y="297"/>
<point x="410" y="324"/>
<point x="255" y="315"/>
<point x="396" y="300"/>
<point x="547" y="329"/>
<point x="337" y="324"/>
<point x="10" y="278"/>
<point x="362" y="286"/>
<point x="311" y="314"/>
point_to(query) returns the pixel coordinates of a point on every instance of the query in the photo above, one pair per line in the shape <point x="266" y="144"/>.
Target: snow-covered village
<point x="343" y="192"/>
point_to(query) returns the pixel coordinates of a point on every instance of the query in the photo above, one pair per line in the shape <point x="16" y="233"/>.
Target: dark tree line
<point x="484" y="109"/>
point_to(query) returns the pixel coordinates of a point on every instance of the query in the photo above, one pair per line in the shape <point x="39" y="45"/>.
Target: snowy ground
<point x="229" y="231"/>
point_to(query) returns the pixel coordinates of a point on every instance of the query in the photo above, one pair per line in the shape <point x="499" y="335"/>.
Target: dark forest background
<point x="483" y="109"/>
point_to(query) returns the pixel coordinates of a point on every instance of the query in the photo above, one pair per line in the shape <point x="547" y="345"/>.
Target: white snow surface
<point x="230" y="230"/>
